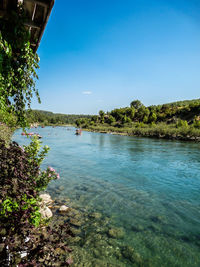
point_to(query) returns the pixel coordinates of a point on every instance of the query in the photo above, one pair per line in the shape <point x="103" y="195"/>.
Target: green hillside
<point x="176" y="120"/>
<point x="50" y="118"/>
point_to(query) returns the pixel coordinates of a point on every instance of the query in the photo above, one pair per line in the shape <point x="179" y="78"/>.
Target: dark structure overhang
<point x="37" y="12"/>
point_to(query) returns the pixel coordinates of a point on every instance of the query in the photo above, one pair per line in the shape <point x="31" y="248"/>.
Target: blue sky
<point x="102" y="54"/>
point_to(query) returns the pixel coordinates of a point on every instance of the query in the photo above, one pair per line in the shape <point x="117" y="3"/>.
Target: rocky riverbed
<point x="96" y="242"/>
<point x="132" y="195"/>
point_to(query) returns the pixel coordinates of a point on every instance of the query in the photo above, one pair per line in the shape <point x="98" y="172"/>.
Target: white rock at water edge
<point x="63" y="208"/>
<point x="46" y="199"/>
<point x="46" y="213"/>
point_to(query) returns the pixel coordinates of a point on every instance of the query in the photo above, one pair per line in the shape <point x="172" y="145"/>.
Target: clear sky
<point x="102" y="54"/>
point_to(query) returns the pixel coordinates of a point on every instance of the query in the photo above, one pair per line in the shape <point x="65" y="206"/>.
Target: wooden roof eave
<point x="38" y="12"/>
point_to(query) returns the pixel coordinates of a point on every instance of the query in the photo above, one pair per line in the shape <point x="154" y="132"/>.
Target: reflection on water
<point x="138" y="198"/>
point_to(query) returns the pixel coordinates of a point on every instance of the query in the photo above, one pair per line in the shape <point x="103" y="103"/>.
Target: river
<point x="141" y="196"/>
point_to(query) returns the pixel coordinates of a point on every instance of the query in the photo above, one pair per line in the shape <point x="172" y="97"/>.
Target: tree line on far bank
<point x="50" y="118"/>
<point x="180" y="114"/>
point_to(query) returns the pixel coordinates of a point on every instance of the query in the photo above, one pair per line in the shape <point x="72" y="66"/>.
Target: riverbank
<point x="161" y="130"/>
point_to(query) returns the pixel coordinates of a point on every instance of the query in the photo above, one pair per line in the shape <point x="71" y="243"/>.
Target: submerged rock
<point x="156" y="219"/>
<point x="76" y="231"/>
<point x="75" y="239"/>
<point x="61" y="188"/>
<point x="137" y="228"/>
<point x="59" y="251"/>
<point x="63" y="208"/>
<point x="76" y="222"/>
<point x="96" y="215"/>
<point x="116" y="233"/>
<point x="129" y="253"/>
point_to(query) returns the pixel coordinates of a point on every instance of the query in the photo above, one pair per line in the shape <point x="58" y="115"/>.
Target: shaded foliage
<point x="20" y="220"/>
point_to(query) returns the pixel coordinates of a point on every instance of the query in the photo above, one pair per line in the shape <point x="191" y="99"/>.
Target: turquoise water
<point x="139" y="198"/>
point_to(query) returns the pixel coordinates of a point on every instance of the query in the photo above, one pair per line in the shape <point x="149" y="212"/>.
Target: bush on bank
<point x="21" y="226"/>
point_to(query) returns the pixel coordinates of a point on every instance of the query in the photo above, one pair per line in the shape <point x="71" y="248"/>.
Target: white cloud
<point x="87" y="93"/>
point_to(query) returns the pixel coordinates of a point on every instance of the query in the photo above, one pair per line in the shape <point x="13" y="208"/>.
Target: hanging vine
<point x="18" y="65"/>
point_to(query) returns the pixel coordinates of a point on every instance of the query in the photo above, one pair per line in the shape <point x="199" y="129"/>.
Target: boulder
<point x="46" y="199"/>
<point x="129" y="253"/>
<point x="116" y="233"/>
<point x="61" y="188"/>
<point x="45" y="213"/>
<point x="63" y="208"/>
<point x="96" y="215"/>
<point x="75" y="222"/>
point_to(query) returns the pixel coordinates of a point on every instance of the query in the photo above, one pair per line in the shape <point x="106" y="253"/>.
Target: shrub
<point x="20" y="182"/>
<point x="196" y="124"/>
<point x="111" y="119"/>
<point x="181" y="123"/>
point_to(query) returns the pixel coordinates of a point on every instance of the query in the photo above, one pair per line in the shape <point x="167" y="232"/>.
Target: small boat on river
<point x="31" y="134"/>
<point x="78" y="132"/>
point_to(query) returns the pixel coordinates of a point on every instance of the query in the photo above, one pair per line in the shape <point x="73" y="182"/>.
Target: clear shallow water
<point x="146" y="189"/>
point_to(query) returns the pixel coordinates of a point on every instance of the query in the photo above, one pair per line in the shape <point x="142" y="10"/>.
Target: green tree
<point x="130" y="112"/>
<point x="124" y="119"/>
<point x="136" y="104"/>
<point x="78" y="122"/>
<point x="196" y="124"/>
<point x="128" y="120"/>
<point x="141" y="112"/>
<point x="182" y="123"/>
<point x="153" y="117"/>
<point x="102" y="115"/>
<point x="145" y="119"/>
<point x="94" y="118"/>
<point x="117" y="114"/>
<point x="111" y="119"/>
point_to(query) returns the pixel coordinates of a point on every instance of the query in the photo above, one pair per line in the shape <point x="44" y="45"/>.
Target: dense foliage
<point x="18" y="66"/>
<point x="174" y="120"/>
<point x="21" y="230"/>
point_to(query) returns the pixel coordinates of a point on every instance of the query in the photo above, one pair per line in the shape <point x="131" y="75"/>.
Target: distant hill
<point x="48" y="117"/>
<point x="182" y="103"/>
<point x="187" y="110"/>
